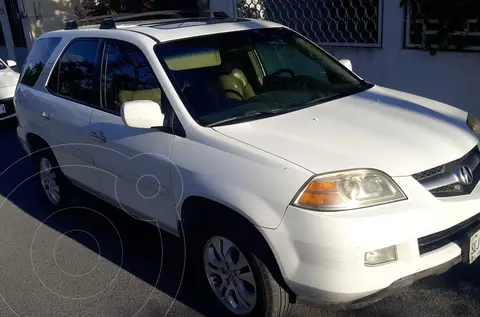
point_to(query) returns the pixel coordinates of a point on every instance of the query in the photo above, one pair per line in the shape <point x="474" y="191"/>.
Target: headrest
<point x="226" y="68"/>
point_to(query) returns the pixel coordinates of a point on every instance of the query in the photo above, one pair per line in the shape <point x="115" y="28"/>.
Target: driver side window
<point x="128" y="76"/>
<point x="275" y="56"/>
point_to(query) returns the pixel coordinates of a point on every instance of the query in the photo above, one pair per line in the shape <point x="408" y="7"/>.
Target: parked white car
<point x="293" y="179"/>
<point x="8" y="83"/>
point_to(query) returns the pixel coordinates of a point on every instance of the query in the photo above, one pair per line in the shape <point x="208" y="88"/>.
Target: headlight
<point x="348" y="190"/>
<point x="474" y="124"/>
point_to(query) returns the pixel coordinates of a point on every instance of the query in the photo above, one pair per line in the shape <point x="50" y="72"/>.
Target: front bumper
<point x="9" y="107"/>
<point x="375" y="297"/>
<point x="6" y="98"/>
<point x="321" y="254"/>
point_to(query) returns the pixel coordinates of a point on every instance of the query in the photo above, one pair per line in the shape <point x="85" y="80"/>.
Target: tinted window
<point x="127" y="76"/>
<point x="73" y="76"/>
<point x="275" y="56"/>
<point x="40" y="53"/>
<point x="222" y="81"/>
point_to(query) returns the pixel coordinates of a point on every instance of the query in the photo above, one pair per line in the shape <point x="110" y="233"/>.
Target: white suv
<point x="292" y="178"/>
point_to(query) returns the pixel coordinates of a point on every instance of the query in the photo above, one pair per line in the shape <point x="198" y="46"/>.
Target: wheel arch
<point x="196" y="210"/>
<point x="36" y="142"/>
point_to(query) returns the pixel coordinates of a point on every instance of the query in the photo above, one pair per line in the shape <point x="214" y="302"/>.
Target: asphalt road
<point x="94" y="260"/>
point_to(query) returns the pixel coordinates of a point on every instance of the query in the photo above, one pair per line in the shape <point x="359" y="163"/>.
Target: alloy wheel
<point x="48" y="177"/>
<point x="230" y="275"/>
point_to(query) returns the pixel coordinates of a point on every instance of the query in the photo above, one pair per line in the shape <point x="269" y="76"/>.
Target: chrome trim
<point x="453" y="173"/>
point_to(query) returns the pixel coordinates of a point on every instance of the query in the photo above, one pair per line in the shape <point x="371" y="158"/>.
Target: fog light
<point x="381" y="256"/>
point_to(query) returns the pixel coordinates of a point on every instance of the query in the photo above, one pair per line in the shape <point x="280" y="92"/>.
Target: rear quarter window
<point x="38" y="56"/>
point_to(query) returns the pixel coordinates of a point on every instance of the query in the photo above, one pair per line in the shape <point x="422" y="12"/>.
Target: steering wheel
<point x="231" y="91"/>
<point x="307" y="82"/>
<point x="282" y="71"/>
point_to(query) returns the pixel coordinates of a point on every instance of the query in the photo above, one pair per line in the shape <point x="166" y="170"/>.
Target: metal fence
<point x="328" y="22"/>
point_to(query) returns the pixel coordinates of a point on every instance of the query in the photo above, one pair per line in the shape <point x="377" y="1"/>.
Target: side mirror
<point x="347" y="63"/>
<point x="11" y="63"/>
<point x="143" y="114"/>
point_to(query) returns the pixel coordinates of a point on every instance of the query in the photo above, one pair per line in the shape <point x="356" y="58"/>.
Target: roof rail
<point x="108" y="21"/>
<point x="99" y="18"/>
<point x="172" y="14"/>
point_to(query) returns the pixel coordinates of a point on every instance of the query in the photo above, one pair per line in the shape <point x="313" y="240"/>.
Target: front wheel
<point x="236" y="278"/>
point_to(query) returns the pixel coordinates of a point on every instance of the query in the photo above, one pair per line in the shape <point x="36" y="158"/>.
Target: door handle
<point x="98" y="137"/>
<point x="44" y="115"/>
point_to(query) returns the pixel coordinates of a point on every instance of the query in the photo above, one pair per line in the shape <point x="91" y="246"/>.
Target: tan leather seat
<point x="236" y="81"/>
<point x="147" y="94"/>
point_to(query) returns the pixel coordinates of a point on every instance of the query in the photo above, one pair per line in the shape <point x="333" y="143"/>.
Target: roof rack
<point x="108" y="21"/>
<point x="70" y="25"/>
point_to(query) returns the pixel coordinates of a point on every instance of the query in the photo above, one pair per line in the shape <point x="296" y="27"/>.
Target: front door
<point x="134" y="163"/>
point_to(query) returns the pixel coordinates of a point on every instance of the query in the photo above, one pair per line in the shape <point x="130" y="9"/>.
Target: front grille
<point x="446" y="189"/>
<point x="445" y="180"/>
<point x="9" y="107"/>
<point x="429" y="173"/>
<point x="454" y="234"/>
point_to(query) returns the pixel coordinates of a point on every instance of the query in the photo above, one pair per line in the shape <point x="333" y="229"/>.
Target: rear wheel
<point x="54" y="185"/>
<point x="229" y="267"/>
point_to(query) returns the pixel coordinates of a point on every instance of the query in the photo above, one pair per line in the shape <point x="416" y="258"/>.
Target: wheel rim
<point x="49" y="181"/>
<point x="230" y="275"/>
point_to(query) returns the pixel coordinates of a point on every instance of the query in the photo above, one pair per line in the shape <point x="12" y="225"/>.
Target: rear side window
<point x="39" y="55"/>
<point x="73" y="76"/>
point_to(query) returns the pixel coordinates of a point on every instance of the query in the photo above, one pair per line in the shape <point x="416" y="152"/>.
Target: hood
<point x="395" y="132"/>
<point x="8" y="77"/>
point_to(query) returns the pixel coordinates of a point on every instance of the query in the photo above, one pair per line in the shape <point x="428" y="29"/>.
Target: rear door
<point x="29" y="88"/>
<point x="66" y="108"/>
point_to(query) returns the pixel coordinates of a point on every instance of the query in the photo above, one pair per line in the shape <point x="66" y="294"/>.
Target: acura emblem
<point x="475" y="246"/>
<point x="465" y="175"/>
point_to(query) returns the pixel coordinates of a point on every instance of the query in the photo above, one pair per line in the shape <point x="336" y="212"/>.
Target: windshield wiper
<point x="254" y="114"/>
<point x="329" y="96"/>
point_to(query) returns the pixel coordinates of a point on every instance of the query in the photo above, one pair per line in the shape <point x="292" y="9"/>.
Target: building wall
<point x="48" y="15"/>
<point x="450" y="77"/>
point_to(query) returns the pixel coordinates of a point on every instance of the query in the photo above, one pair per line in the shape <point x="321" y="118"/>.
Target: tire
<point x="272" y="300"/>
<point x="44" y="160"/>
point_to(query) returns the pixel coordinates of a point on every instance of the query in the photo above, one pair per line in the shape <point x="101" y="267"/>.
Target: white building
<point x="377" y="36"/>
<point x="22" y="21"/>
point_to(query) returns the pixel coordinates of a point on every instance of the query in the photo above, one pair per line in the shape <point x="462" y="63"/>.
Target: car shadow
<point x="152" y="255"/>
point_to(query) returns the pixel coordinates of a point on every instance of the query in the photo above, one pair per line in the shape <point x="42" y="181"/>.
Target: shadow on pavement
<point x="141" y="247"/>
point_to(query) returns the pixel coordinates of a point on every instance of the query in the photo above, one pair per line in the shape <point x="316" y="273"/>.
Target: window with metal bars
<point x="445" y="24"/>
<point x="2" y="37"/>
<point x="16" y="25"/>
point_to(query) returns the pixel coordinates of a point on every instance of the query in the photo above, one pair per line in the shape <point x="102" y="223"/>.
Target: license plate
<point x="474" y="247"/>
<point x="2" y="109"/>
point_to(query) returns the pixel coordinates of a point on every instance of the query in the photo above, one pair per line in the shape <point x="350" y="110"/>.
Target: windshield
<point x="243" y="75"/>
